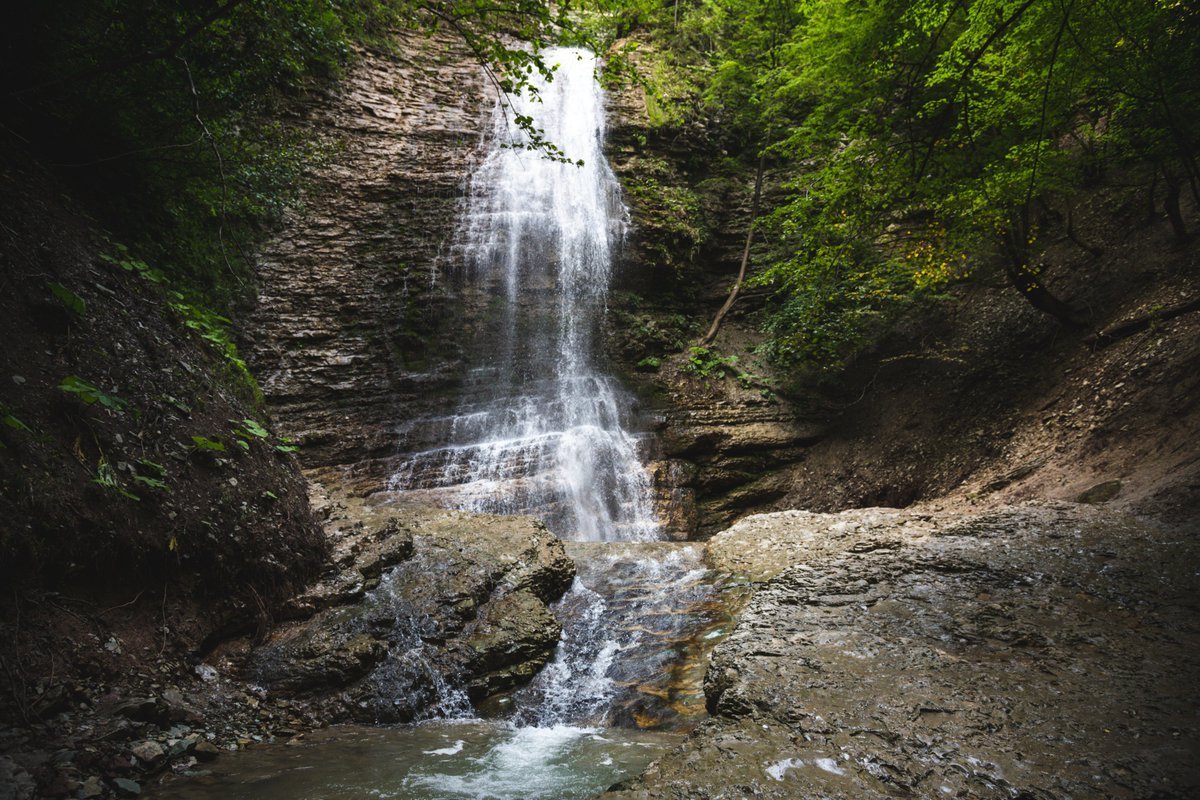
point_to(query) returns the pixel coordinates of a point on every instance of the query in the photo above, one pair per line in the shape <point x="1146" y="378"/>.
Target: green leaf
<point x="159" y="468"/>
<point x="106" y="476"/>
<point x="16" y="424"/>
<point x="204" y="443"/>
<point x="69" y="298"/>
<point x="153" y="483"/>
<point x="89" y="394"/>
<point x="254" y="429"/>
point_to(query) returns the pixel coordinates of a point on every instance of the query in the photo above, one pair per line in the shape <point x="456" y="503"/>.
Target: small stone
<point x="205" y="750"/>
<point x="92" y="787"/>
<point x="18" y="380"/>
<point x="147" y="752"/>
<point x="127" y="787"/>
<point x="1100" y="493"/>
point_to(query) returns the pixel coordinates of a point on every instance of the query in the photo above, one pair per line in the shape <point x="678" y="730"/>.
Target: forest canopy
<point x="909" y="142"/>
<point x="916" y="140"/>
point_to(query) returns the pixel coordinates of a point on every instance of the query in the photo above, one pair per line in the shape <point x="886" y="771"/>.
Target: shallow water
<point x="431" y="761"/>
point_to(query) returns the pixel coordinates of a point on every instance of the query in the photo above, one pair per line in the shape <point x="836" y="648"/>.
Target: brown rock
<point x="205" y="750"/>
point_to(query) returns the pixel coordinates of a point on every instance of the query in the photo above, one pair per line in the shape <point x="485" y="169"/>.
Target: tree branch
<point x="737" y="285"/>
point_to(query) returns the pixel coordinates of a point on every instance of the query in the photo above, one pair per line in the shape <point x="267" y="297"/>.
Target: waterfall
<point x="541" y="429"/>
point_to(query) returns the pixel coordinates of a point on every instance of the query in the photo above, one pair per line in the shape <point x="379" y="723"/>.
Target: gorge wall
<point x="362" y="318"/>
<point x="361" y="327"/>
<point x="357" y="322"/>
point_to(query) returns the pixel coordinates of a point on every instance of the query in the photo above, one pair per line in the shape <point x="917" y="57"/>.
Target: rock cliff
<point x="356" y="327"/>
<point x="423" y="611"/>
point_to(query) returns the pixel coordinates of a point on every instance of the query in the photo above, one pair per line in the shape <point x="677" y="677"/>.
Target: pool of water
<point x="475" y="759"/>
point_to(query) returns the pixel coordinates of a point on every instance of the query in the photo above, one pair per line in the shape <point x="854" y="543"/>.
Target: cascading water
<point x="542" y="430"/>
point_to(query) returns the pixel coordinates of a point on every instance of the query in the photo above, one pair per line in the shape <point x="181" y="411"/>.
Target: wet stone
<point x="464" y="610"/>
<point x="1013" y="653"/>
<point x="147" y="752"/>
<point x="127" y="787"/>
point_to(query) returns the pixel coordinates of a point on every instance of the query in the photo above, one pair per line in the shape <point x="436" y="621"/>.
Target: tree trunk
<point x="1171" y="205"/>
<point x="1074" y="236"/>
<point x="1138" y="324"/>
<point x="1027" y="277"/>
<point x="737" y="285"/>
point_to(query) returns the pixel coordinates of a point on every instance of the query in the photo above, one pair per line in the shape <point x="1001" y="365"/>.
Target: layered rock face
<point x="423" y="611"/>
<point x="1045" y="652"/>
<point x="356" y="324"/>
<point x="363" y="319"/>
<point x="727" y="438"/>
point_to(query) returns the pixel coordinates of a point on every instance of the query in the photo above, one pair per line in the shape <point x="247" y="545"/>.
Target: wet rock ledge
<point x="1031" y="652"/>
<point x="422" y="608"/>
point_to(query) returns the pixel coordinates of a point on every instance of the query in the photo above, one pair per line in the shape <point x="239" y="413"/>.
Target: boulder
<point x="466" y="609"/>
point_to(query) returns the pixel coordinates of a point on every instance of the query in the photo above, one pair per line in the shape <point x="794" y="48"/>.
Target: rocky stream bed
<point x="1038" y="651"/>
<point x="1032" y="652"/>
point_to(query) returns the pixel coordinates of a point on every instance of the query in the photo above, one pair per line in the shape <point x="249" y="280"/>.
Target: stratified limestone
<point x="425" y="608"/>
<point x="1040" y="652"/>
<point x="357" y="325"/>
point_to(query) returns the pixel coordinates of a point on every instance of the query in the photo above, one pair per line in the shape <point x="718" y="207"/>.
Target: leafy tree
<point x="915" y="138"/>
<point x="166" y="114"/>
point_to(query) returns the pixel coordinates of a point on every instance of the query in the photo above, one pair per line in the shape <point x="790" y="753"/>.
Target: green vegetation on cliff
<point x="170" y="118"/>
<point x="913" y="144"/>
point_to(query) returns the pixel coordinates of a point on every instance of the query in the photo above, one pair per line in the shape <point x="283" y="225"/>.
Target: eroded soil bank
<point x="1046" y="651"/>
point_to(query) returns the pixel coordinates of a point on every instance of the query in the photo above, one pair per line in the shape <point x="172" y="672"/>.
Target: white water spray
<point x="543" y="430"/>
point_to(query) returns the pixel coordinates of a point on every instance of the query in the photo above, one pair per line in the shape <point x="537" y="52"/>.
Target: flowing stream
<point x="541" y="429"/>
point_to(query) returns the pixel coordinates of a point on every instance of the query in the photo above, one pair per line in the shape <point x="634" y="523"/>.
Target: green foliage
<point x="69" y="299"/>
<point x="214" y="329"/>
<point x="17" y="425"/>
<point x="196" y="315"/>
<point x="89" y="394"/>
<point x="250" y="427"/>
<point x="153" y="483"/>
<point x="158" y="469"/>
<point x="670" y="209"/>
<point x="704" y="363"/>
<point x="107" y="478"/>
<point x="134" y="265"/>
<point x="205" y="444"/>
<point x="910" y="139"/>
<point x="286" y="445"/>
